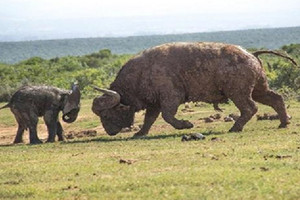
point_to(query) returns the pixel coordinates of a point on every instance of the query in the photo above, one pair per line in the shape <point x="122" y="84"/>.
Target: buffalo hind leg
<point x="151" y="115"/>
<point x="247" y="108"/>
<point x="169" y="110"/>
<point x="274" y="100"/>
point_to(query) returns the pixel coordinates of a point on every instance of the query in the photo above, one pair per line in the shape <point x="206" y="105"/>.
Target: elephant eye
<point x="104" y="115"/>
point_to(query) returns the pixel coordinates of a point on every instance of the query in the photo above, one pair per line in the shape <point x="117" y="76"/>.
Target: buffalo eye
<point x="123" y="107"/>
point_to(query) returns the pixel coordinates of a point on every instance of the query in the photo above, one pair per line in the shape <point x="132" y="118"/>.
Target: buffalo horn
<point x="114" y="94"/>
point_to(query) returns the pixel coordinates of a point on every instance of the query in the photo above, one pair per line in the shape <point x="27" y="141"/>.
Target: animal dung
<point x="193" y="136"/>
<point x="267" y="116"/>
<point x="126" y="161"/>
<point x="234" y="116"/>
<point x="129" y="129"/>
<point x="216" y="116"/>
<point x="212" y="118"/>
<point x="187" y="110"/>
<point x="208" y="119"/>
<point x="198" y="104"/>
<point x="80" y="134"/>
<point x="216" y="139"/>
<point x="228" y="119"/>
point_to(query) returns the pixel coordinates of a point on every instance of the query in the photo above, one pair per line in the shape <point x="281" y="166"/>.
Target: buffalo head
<point x="113" y="115"/>
<point x="71" y="105"/>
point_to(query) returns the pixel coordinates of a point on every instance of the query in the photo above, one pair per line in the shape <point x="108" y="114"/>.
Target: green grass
<point x="243" y="165"/>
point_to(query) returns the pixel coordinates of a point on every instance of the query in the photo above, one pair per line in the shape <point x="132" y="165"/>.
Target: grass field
<point x="262" y="162"/>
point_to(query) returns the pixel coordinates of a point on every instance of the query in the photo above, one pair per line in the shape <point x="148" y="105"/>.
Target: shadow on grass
<point x="118" y="139"/>
<point x="152" y="137"/>
<point x="106" y="139"/>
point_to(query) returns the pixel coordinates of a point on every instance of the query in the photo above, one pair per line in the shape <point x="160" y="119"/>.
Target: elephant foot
<point x="50" y="141"/>
<point x="37" y="141"/>
<point x="18" y="141"/>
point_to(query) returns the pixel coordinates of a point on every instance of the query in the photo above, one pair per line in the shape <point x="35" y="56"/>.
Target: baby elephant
<point x="31" y="102"/>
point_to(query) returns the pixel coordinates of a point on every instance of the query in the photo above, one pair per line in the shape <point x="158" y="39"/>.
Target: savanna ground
<point x="262" y="162"/>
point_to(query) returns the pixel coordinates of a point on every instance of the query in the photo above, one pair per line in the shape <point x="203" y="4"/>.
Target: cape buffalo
<point x="161" y="78"/>
<point x="31" y="102"/>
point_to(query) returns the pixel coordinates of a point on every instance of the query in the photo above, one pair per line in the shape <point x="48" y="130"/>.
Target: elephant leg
<point x="26" y="118"/>
<point x="19" y="135"/>
<point x="50" y="119"/>
<point x="59" y="131"/>
<point x="151" y="115"/>
<point x="33" y="137"/>
<point x="21" y="126"/>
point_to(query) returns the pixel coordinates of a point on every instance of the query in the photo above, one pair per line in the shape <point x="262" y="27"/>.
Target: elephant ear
<point x="73" y="100"/>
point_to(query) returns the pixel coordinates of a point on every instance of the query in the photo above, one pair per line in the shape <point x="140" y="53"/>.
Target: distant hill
<point x="13" y="52"/>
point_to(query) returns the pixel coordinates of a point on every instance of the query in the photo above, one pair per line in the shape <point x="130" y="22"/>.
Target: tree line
<point x="14" y="52"/>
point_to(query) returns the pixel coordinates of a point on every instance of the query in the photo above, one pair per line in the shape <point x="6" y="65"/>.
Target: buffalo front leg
<point x="274" y="100"/>
<point x="169" y="107"/>
<point x="59" y="131"/>
<point x="50" y="119"/>
<point x="247" y="108"/>
<point x="150" y="117"/>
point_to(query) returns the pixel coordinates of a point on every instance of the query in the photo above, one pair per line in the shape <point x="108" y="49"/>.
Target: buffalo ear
<point x="73" y="99"/>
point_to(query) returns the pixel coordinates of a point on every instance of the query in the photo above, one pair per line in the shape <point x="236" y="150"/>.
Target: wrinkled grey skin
<point x="161" y="78"/>
<point x="31" y="102"/>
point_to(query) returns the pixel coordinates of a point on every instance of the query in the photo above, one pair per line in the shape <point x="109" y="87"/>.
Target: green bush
<point x="98" y="68"/>
<point x="101" y="68"/>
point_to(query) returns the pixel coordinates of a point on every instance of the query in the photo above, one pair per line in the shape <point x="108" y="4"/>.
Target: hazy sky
<point x="49" y="17"/>
<point x="66" y="9"/>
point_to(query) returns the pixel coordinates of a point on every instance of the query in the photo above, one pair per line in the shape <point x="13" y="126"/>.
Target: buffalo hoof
<point x="139" y="135"/>
<point x="188" y="125"/>
<point x="283" y="125"/>
<point x="184" y="125"/>
<point x="36" y="142"/>
<point x="235" y="129"/>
